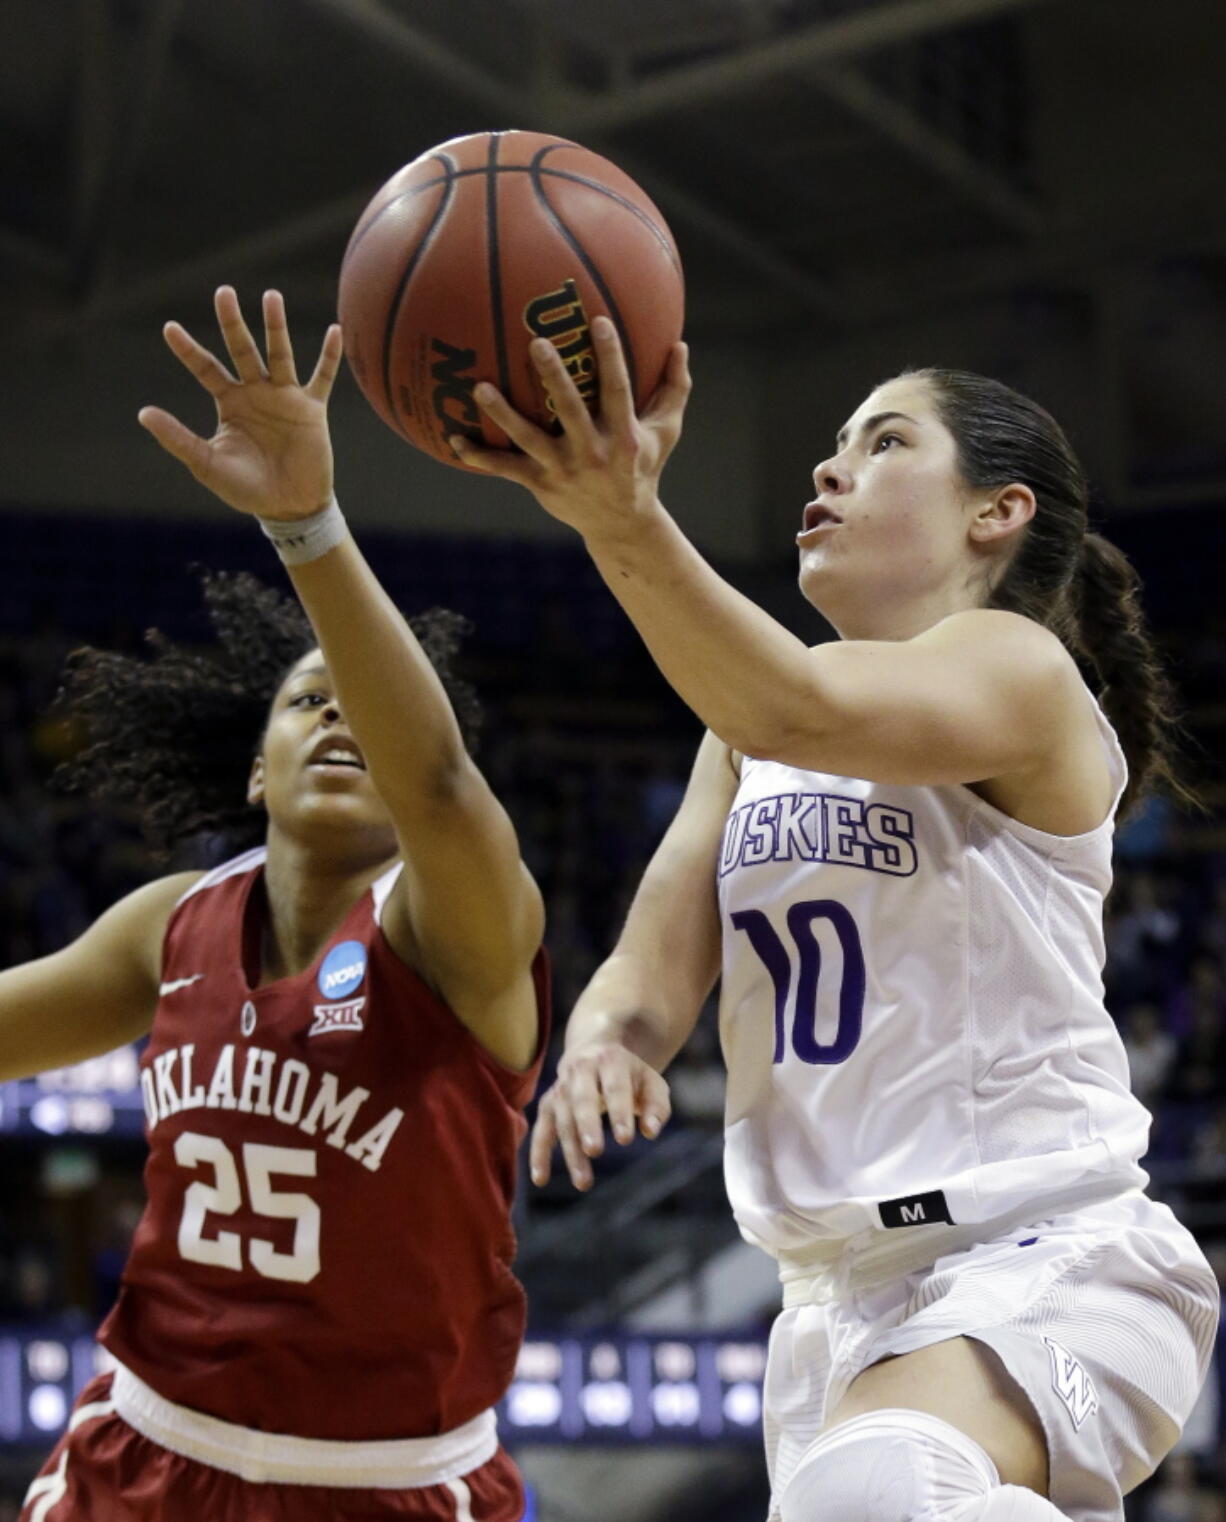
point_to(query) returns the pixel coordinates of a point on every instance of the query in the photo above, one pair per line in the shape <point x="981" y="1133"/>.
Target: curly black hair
<point x="174" y="736"/>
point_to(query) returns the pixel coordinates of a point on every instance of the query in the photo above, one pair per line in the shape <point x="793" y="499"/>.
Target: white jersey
<point x="912" y="1010"/>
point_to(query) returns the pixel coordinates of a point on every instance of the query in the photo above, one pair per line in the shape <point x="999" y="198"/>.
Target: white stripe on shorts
<point x="50" y="1488"/>
<point x="463" y="1500"/>
<point x="279" y="1458"/>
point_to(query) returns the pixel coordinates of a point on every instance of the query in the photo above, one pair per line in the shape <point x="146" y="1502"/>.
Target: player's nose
<point x="831" y="477"/>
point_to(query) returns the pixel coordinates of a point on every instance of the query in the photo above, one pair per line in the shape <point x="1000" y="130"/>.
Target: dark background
<point x="1031" y="188"/>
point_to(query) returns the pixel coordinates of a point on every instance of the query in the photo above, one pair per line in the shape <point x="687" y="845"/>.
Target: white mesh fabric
<point x="1049" y="1067"/>
<point x="1020" y="998"/>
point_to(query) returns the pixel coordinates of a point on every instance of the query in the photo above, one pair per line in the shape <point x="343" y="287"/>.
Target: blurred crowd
<point x="590" y="754"/>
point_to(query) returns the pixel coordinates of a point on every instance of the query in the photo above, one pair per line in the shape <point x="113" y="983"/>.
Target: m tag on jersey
<point x="338" y="1017"/>
<point x="915" y="1210"/>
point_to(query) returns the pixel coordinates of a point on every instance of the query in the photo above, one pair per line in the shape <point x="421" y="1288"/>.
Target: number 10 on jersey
<point x="801" y="1003"/>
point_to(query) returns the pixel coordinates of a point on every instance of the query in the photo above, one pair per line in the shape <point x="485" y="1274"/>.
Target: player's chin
<point x="814" y="575"/>
<point x="335" y="778"/>
<point x="345" y="808"/>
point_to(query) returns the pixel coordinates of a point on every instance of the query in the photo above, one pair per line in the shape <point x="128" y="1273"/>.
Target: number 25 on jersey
<point x="224" y="1196"/>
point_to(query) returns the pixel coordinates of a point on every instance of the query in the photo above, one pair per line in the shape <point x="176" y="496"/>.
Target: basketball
<point x="483" y="244"/>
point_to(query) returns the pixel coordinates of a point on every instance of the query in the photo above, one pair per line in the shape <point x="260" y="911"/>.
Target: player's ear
<point x="1005" y="513"/>
<point x="255" y="782"/>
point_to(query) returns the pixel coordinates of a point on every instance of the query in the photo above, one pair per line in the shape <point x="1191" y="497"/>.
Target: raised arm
<point x="464" y="910"/>
<point x="643" y="1002"/>
<point x="465" y="907"/>
<point x="983" y="695"/>
<point x="95" y="994"/>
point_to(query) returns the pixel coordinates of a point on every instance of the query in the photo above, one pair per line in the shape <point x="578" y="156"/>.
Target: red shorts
<point x="102" y="1470"/>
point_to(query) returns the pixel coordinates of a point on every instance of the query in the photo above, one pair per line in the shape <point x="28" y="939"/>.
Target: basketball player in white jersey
<point x="897" y="847"/>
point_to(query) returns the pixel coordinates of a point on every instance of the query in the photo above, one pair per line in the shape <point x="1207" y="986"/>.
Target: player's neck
<point x="895" y="618"/>
<point x="308" y="897"/>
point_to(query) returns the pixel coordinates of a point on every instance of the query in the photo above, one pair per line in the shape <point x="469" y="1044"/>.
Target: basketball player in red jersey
<point x="318" y="1314"/>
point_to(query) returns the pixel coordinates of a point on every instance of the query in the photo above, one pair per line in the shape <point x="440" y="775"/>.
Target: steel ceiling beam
<point x="426" y="53"/>
<point x="93" y="119"/>
<point x="147" y="71"/>
<point x="330" y="218"/>
<point x="1074" y="256"/>
<point x="887" y="115"/>
<point x="824" y="42"/>
<point x="814" y="295"/>
<point x="227" y="260"/>
<point x="863" y="31"/>
<point x="423" y="51"/>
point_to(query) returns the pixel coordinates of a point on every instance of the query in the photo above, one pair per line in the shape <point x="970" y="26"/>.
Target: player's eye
<point x="885" y="439"/>
<point x="307" y="700"/>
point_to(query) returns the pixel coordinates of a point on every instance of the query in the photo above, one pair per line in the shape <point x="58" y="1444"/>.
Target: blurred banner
<point x="615" y="1389"/>
<point x="97" y="1098"/>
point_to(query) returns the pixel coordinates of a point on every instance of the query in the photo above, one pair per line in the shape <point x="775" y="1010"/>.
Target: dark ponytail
<point x="1064" y="577"/>
<point x="1137" y="694"/>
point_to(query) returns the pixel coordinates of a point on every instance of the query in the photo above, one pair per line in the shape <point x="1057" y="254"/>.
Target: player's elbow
<point x="429" y="785"/>
<point x="793" y="727"/>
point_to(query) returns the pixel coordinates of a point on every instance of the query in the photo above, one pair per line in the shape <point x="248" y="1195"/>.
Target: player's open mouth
<point x="817" y="515"/>
<point x="337" y="752"/>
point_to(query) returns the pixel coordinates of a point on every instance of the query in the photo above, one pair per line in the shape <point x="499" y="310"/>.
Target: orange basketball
<point x="481" y="245"/>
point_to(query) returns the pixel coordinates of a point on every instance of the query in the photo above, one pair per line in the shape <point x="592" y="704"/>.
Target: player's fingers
<point x="240" y="345"/>
<point x="585" y="1103"/>
<point x="544" y="1139"/>
<point x="616" y="393"/>
<point x="577" y="1165"/>
<point x="670" y="398"/>
<point x="678" y="382"/>
<point x="653" y="1102"/>
<point x="327" y="366"/>
<point x="523" y="433"/>
<point x="569" y="407"/>
<point x="277" y="343"/>
<point x="495" y="462"/>
<point x="618" y="1090"/>
<point x="174" y="438"/>
<point x="206" y="367"/>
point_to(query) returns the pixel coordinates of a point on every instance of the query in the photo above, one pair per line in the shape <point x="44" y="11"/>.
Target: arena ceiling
<point x="830" y="165"/>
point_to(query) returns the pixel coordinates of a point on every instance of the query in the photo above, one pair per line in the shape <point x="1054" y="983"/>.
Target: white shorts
<point x="1104" y="1316"/>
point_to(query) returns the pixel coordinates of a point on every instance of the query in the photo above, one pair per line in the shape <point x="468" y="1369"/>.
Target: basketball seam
<point x="558" y="174"/>
<point x="360" y="231"/>
<point x="492" y="249"/>
<point x="665" y="242"/>
<point x="596" y="277"/>
<point x="393" y="315"/>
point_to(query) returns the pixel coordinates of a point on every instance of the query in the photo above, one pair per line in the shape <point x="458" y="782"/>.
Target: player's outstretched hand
<point x="594" y="1081"/>
<point x="599" y="474"/>
<point x="271" y="453"/>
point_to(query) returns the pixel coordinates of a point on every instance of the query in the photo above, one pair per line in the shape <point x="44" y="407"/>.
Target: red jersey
<point x="326" y="1249"/>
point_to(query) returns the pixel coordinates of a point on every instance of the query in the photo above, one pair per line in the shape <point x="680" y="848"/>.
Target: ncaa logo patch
<point x="339" y="1017"/>
<point x="342" y="970"/>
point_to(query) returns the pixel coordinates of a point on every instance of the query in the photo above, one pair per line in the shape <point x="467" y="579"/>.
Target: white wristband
<point x="298" y="540"/>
